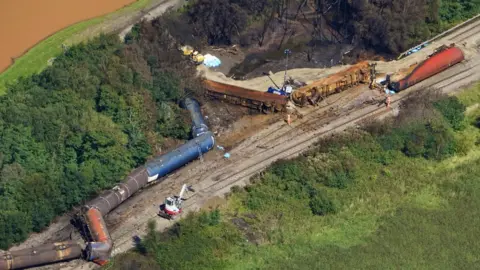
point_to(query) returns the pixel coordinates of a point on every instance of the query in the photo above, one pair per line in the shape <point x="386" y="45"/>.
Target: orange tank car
<point x="101" y="246"/>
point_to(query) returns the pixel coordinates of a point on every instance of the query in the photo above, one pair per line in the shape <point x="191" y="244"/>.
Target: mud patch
<point x="26" y="22"/>
<point x="232" y="124"/>
<point x="221" y="115"/>
<point x="250" y="234"/>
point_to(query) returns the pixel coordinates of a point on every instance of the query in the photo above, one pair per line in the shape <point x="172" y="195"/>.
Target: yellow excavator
<point x="195" y="56"/>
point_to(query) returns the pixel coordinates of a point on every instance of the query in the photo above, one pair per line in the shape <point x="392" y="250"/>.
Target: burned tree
<point x="218" y="20"/>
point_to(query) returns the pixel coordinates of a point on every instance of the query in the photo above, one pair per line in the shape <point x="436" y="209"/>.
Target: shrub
<point x="338" y="178"/>
<point x="321" y="204"/>
<point x="391" y="141"/>
<point x="131" y="260"/>
<point x="196" y="242"/>
<point x="210" y="218"/>
<point x="434" y="140"/>
<point x="339" y="170"/>
<point x="453" y="111"/>
<point x="236" y="189"/>
<point x="465" y="142"/>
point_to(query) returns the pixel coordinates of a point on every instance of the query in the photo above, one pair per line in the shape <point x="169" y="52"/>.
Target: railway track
<point x="315" y="123"/>
<point x="313" y="117"/>
<point x="219" y="182"/>
<point x="300" y="146"/>
<point x="469" y="30"/>
<point x="226" y="174"/>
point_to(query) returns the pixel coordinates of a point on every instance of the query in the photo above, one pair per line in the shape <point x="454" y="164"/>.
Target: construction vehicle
<point x="285" y="90"/>
<point x="195" y="56"/>
<point x="172" y="206"/>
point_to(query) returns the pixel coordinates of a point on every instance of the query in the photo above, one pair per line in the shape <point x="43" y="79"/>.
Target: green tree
<point x="14" y="227"/>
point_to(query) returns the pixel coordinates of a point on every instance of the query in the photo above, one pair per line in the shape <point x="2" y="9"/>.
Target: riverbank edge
<point x="36" y="58"/>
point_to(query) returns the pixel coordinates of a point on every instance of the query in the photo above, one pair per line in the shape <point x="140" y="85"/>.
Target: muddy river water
<point x="23" y="23"/>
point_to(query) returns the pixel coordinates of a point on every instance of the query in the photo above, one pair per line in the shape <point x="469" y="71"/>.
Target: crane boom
<point x="184" y="187"/>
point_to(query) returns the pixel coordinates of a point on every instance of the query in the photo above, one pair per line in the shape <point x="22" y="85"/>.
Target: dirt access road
<point x="154" y="13"/>
<point x="214" y="176"/>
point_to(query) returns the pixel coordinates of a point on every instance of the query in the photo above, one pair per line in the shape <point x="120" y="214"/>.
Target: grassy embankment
<point x="35" y="60"/>
<point x="398" y="195"/>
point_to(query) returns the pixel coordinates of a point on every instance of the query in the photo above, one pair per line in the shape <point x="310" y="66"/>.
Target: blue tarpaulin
<point x="211" y="61"/>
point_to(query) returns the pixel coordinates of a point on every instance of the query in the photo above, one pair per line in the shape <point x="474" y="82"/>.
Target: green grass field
<point x="35" y="60"/>
<point x="414" y="214"/>
<point x="471" y="96"/>
<point x="423" y="217"/>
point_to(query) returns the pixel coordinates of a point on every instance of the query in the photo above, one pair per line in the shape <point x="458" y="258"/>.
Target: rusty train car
<point x="267" y="102"/>
<point x="335" y="83"/>
<point x="100" y="247"/>
<point x="37" y="256"/>
<point x="263" y="101"/>
<point x="443" y="58"/>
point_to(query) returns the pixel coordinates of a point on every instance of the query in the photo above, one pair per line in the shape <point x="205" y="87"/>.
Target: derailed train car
<point x="175" y="159"/>
<point x="100" y="248"/>
<point x="338" y="82"/>
<point x="44" y="254"/>
<point x="442" y="59"/>
<point x="262" y="101"/>
<point x="312" y="93"/>
<point x="100" y="243"/>
<point x="198" y="123"/>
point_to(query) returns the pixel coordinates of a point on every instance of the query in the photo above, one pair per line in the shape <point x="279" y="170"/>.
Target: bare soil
<point x="23" y="23"/>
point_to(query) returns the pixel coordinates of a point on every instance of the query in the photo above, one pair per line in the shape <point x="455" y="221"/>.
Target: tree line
<point x="384" y="26"/>
<point x="83" y="123"/>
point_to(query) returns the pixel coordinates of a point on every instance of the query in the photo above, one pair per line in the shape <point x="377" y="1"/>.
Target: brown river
<point x="23" y="23"/>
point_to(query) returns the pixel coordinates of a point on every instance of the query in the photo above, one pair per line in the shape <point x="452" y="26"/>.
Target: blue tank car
<point x="100" y="248"/>
<point x="180" y="156"/>
<point x="198" y="124"/>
